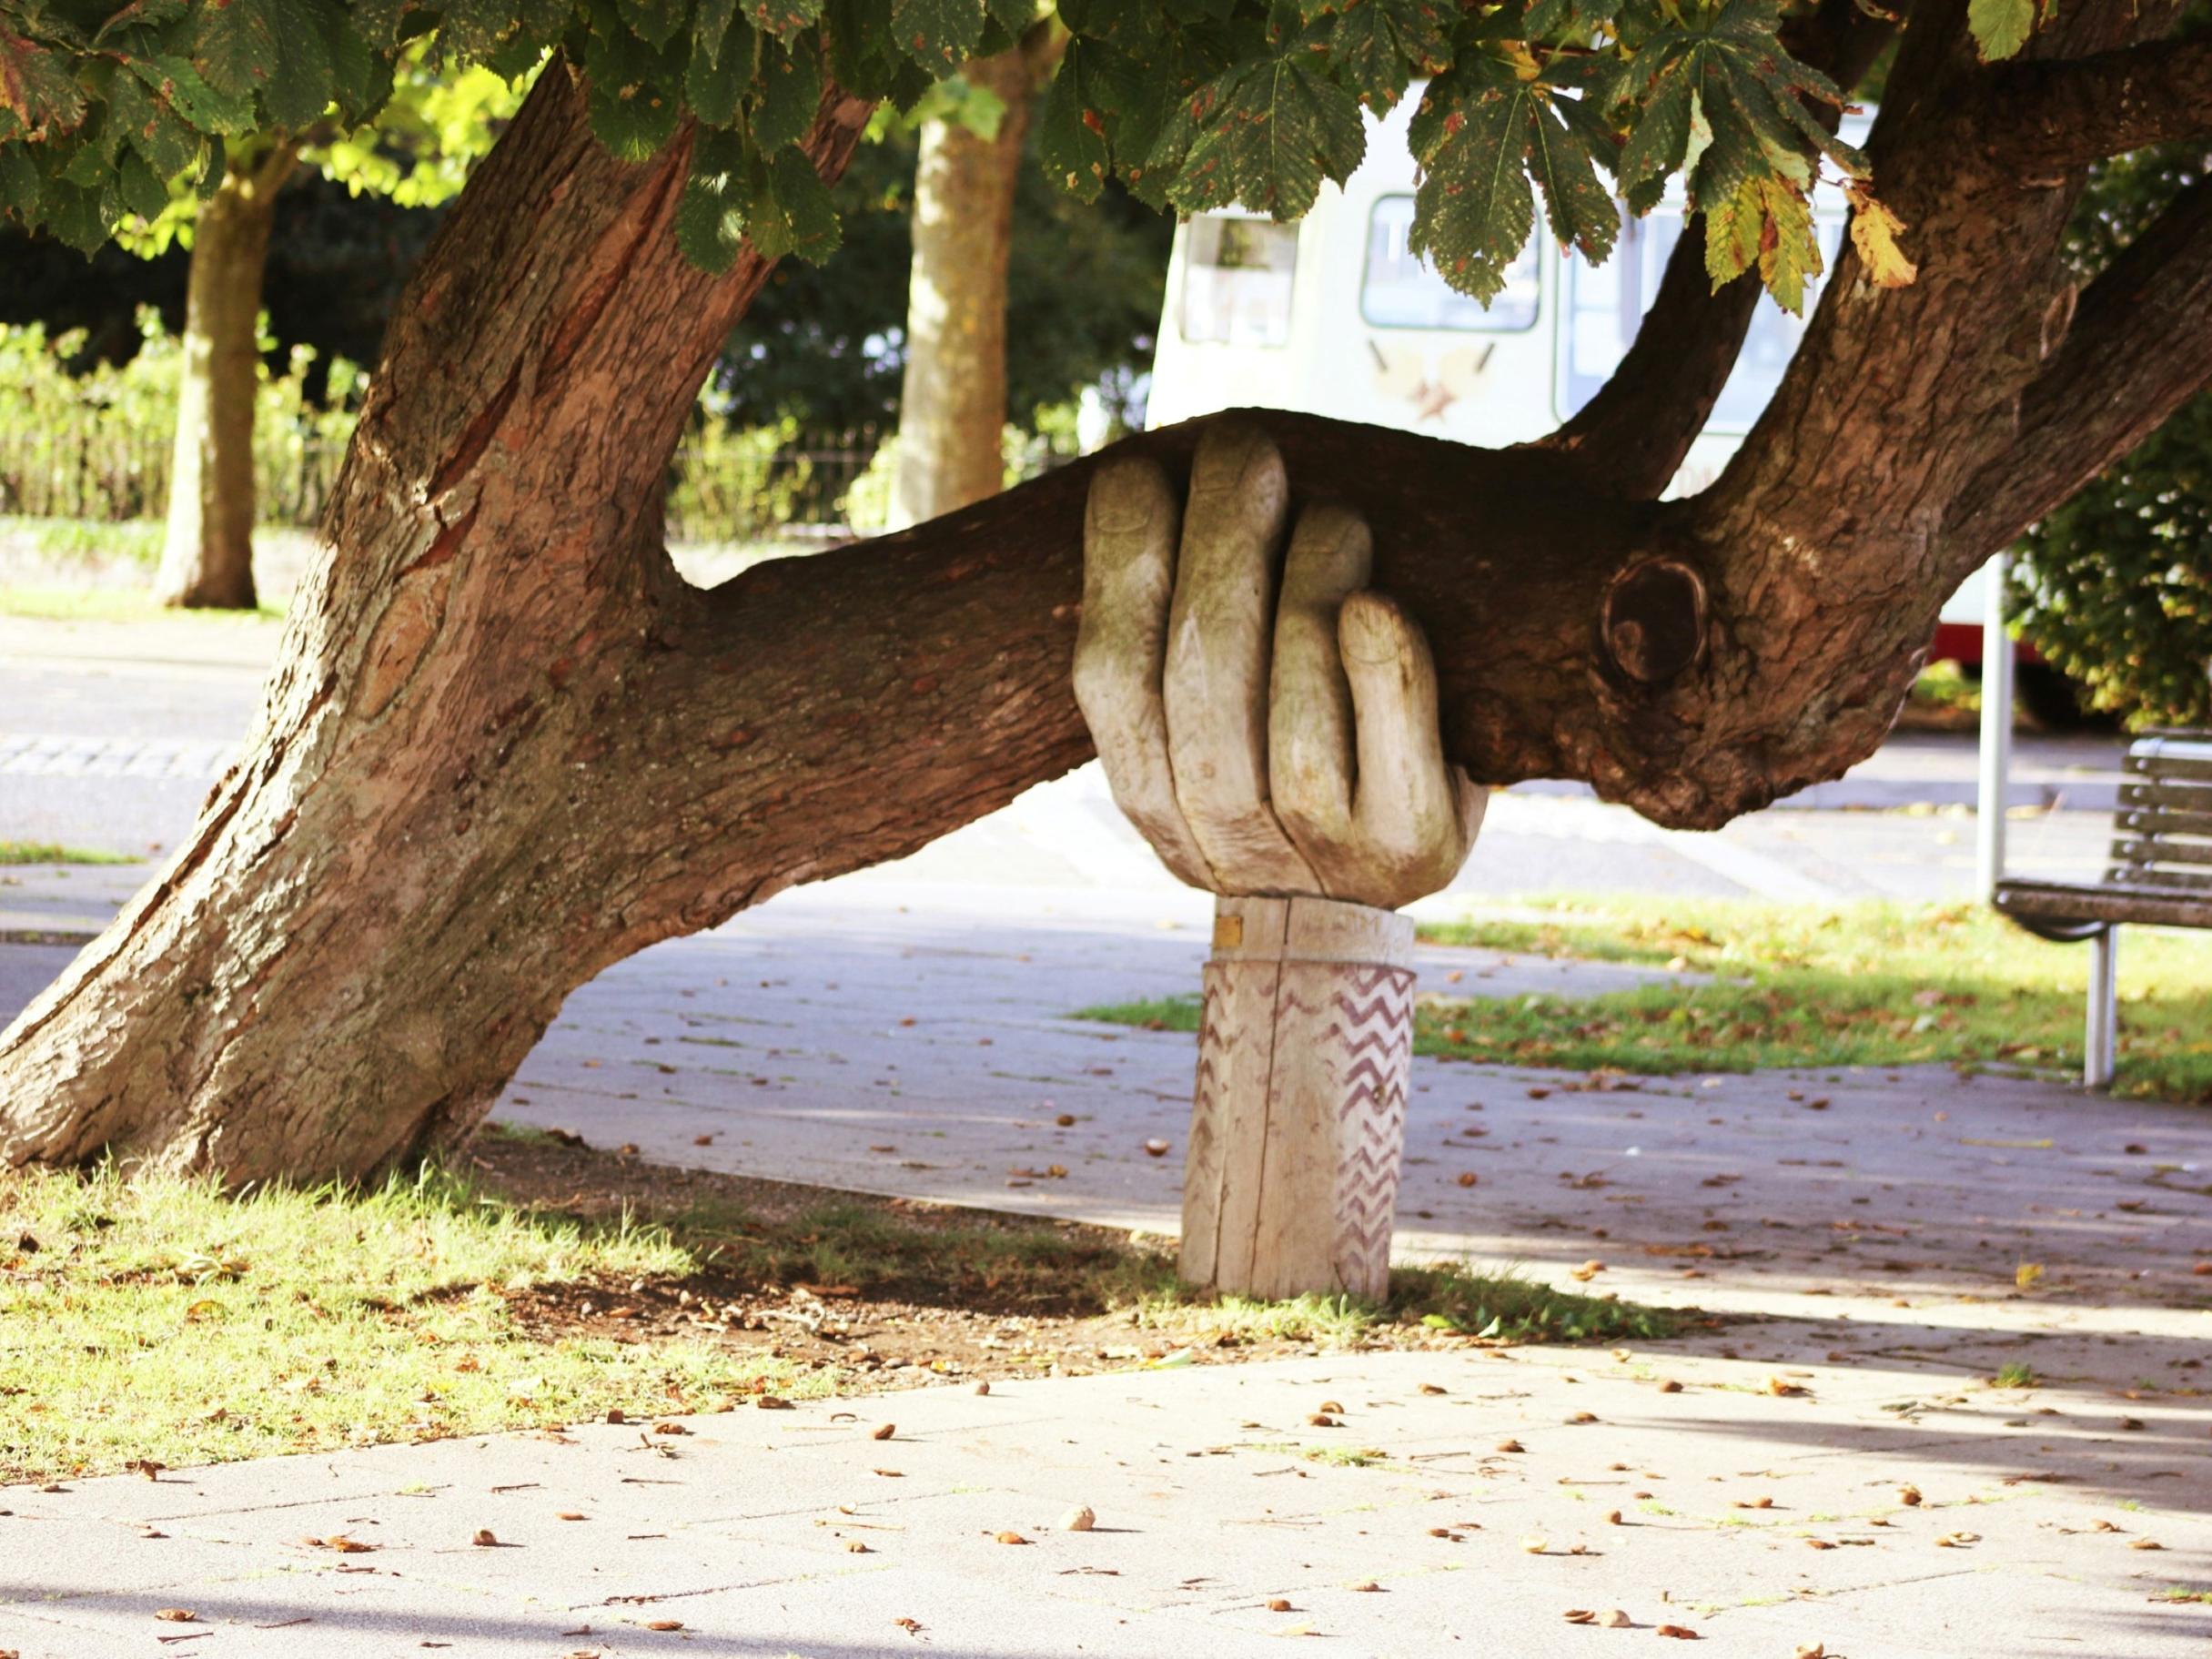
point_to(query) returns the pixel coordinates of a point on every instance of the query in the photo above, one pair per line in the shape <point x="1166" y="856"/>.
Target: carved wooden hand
<point x="1263" y="743"/>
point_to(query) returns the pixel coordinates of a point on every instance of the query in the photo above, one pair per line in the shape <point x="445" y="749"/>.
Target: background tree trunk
<point x="208" y="548"/>
<point x="952" y="397"/>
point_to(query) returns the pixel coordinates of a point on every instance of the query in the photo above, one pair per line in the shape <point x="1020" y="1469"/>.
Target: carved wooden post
<point x="1291" y="1180"/>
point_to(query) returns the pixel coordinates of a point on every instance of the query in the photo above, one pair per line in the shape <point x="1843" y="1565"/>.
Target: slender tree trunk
<point x="207" y="551"/>
<point x="507" y="747"/>
<point x="953" y="398"/>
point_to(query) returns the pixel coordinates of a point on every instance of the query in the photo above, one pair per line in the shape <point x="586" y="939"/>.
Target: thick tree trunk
<point x="208" y="548"/>
<point x="507" y="747"/>
<point x="952" y="397"/>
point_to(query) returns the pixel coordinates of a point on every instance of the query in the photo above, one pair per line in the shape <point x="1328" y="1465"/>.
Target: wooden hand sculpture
<point x="1279" y="749"/>
<point x="1263" y="745"/>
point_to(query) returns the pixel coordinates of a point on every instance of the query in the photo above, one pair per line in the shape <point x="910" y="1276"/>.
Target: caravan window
<point x="1606" y="303"/>
<point x="1237" y="275"/>
<point x="1399" y="290"/>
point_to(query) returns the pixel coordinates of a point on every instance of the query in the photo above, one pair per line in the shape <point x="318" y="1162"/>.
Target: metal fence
<point x="101" y="473"/>
<point x="725" y="486"/>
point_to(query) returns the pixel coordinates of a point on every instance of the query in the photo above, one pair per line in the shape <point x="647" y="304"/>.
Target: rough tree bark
<point x="952" y="397"/>
<point x="507" y="747"/>
<point x="208" y="546"/>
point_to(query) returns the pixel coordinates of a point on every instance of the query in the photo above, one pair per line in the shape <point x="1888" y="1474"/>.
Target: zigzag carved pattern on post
<point x="1372" y="1036"/>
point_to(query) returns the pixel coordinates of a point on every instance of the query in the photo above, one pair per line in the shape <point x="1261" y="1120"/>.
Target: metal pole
<point x="1996" y="730"/>
<point x="2100" y="1048"/>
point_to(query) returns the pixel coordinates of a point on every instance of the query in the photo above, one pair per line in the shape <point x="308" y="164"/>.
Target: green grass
<point x="117" y="605"/>
<point x="1506" y="1307"/>
<point x="2016" y="1374"/>
<point x="1809" y="986"/>
<point x="159" y="1319"/>
<point x="54" y="852"/>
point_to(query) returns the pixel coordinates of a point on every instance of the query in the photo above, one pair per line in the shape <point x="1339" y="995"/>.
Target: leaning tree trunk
<point x="507" y="747"/>
<point x="953" y="396"/>
<point x="207" y="548"/>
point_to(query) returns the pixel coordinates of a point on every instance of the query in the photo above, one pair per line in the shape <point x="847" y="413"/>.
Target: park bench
<point x="2160" y="873"/>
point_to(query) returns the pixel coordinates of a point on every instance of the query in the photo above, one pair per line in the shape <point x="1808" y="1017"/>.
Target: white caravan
<point x="1336" y="316"/>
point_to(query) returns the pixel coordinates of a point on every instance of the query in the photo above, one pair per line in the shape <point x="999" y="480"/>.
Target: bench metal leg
<point x="2099" y="1049"/>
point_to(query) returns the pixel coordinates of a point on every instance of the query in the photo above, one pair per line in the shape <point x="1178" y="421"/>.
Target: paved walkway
<point x="888" y="1034"/>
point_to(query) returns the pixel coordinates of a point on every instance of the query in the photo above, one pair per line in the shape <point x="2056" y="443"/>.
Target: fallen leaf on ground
<point x="2145" y="1543"/>
<point x="1011" y="1537"/>
<point x="884" y="1430"/>
<point x="1156" y="1148"/>
<point x="1279" y="1605"/>
<point x="569" y="1515"/>
<point x="773" y="1402"/>
<point x="342" y="1544"/>
<point x="1908" y="1495"/>
<point x="664" y="1624"/>
<point x="176" y="1615"/>
<point x="1957" y="1541"/>
<point x="1617" y="1619"/>
<point x="1510" y="1445"/>
<point x="1580" y="1615"/>
<point x="484" y="1538"/>
<point x="1366" y="1586"/>
<point x="1078" y="1520"/>
<point x="1681" y="1633"/>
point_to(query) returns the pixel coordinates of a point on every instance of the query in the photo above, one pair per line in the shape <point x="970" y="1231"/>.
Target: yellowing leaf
<point x="1874" y="232"/>
<point x="2026" y="1274"/>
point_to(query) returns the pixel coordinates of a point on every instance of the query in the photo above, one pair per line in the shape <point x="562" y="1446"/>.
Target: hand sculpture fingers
<point x="1311" y="757"/>
<point x="1261" y="744"/>
<point x="1215" y="686"/>
<point x="1415" y="814"/>
<point x="1129" y="577"/>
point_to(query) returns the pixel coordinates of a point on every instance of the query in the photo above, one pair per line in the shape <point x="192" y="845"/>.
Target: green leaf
<point x="305" y="81"/>
<point x="634" y="102"/>
<point x="1380" y="46"/>
<point x="1275" y="133"/>
<point x="1071" y="134"/>
<point x="153" y="128"/>
<point x="710" y="223"/>
<point x="143" y="190"/>
<point x="791" y="211"/>
<point x="790" y="93"/>
<point x="711" y="27"/>
<point x="21" y="190"/>
<point x="715" y="90"/>
<point x="655" y="22"/>
<point x="234" y="47"/>
<point x="176" y="83"/>
<point x="2000" y="27"/>
<point x="938" y="34"/>
<point x="1472" y="210"/>
<point x="1581" y="210"/>
<point x="783" y="19"/>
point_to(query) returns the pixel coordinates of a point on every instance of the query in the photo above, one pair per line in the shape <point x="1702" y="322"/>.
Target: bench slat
<point x="2138" y="851"/>
<point x="2188" y="797"/>
<point x="2165" y="820"/>
<point x="2112" y="902"/>
<point x="2195" y="767"/>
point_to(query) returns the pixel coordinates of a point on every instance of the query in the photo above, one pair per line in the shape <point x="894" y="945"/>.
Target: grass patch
<point x="1808" y="986"/>
<point x="2016" y="1374"/>
<point x="2182" y="1592"/>
<point x="104" y="605"/>
<point x="54" y="852"/>
<point x="159" y="1319"/>
<point x="1501" y="1307"/>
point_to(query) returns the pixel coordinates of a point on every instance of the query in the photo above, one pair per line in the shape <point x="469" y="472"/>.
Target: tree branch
<point x="2064" y="114"/>
<point x="2139" y="350"/>
<point x="1640" y="426"/>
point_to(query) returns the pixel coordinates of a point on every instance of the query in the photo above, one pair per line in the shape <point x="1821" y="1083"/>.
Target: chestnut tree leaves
<point x="1194" y="105"/>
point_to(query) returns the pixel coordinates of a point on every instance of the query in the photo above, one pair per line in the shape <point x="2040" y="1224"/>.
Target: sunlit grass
<point x="1809" y="986"/>
<point x="159" y="1319"/>
<point x="54" y="852"/>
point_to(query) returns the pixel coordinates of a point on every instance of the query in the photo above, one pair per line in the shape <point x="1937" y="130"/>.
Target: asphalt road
<point x="110" y="735"/>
